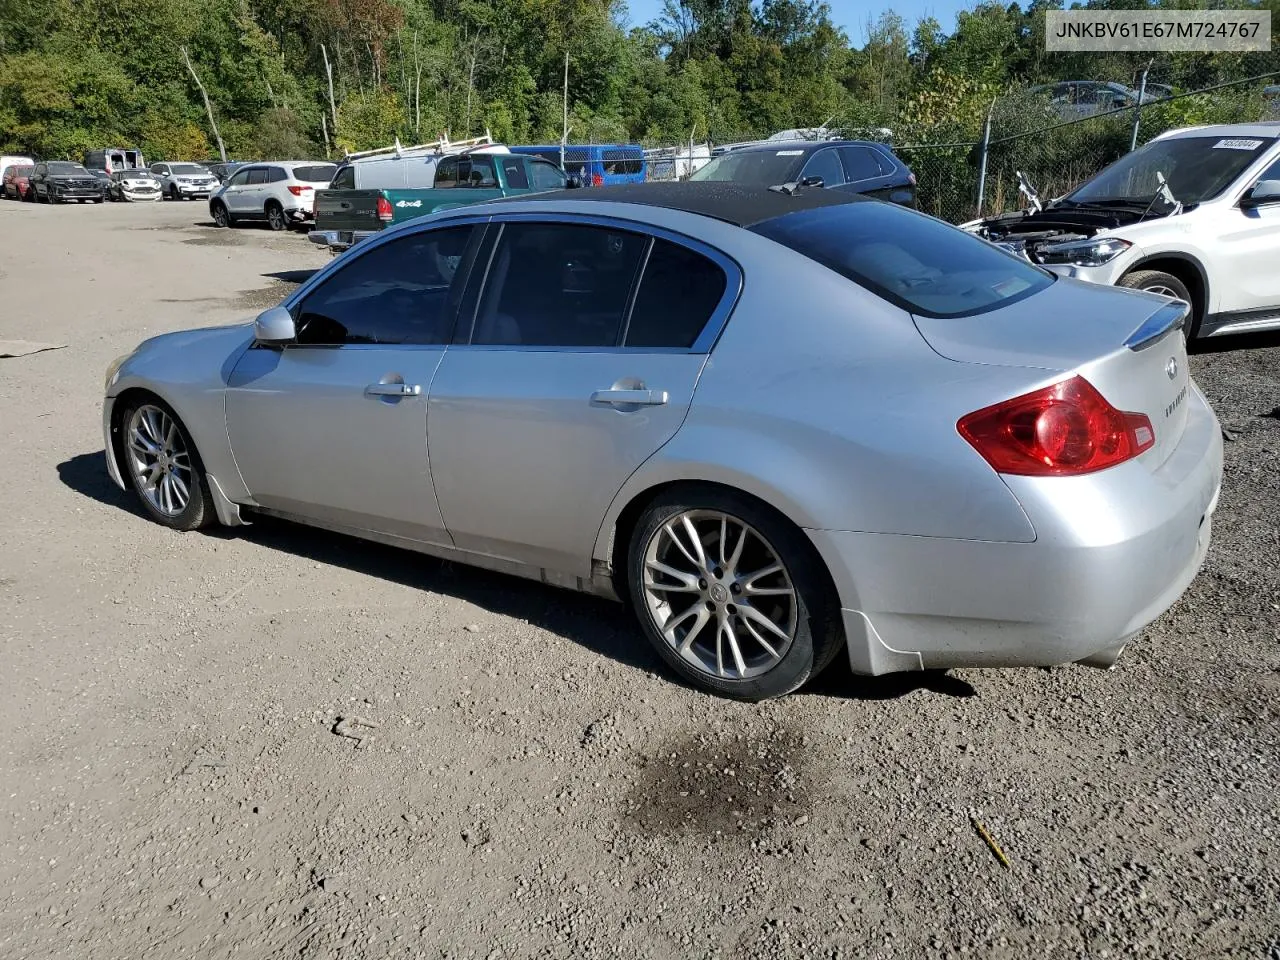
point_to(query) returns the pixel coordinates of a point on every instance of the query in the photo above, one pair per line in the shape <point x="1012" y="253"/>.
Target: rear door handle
<point x="392" y="390"/>
<point x="624" y="398"/>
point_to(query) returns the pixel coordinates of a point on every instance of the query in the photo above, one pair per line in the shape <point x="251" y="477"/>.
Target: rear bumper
<point x="1113" y="551"/>
<point x="339" y="240"/>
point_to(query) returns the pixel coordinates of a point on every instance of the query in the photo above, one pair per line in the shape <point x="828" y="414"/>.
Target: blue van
<point x="597" y="164"/>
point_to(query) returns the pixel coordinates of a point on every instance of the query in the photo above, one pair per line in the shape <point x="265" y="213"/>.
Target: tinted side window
<point x="476" y="172"/>
<point x="345" y="180"/>
<point x="401" y="292"/>
<point x="920" y="264"/>
<point x="558" y="285"/>
<point x="277" y="175"/>
<point x="239" y="179"/>
<point x="513" y="170"/>
<point x="257" y="176"/>
<point x="547" y="176"/>
<point x="678" y="294"/>
<point x="860" y="163"/>
<point x="825" y="164"/>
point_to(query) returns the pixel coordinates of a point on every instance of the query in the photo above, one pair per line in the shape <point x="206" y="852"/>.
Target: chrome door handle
<point x="623" y="398"/>
<point x="392" y="390"/>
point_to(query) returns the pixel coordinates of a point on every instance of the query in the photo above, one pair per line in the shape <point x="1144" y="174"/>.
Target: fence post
<point x="1137" y="109"/>
<point x="982" y="167"/>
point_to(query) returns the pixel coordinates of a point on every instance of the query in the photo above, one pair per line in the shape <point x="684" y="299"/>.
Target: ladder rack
<point x="442" y="146"/>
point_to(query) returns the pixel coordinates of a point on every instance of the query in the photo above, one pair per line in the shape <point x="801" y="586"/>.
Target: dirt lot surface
<point x="537" y="785"/>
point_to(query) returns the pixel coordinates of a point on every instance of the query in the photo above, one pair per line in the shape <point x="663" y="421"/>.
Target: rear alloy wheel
<point x="275" y="216"/>
<point x="220" y="218"/>
<point x="1165" y="284"/>
<point x="731" y="595"/>
<point x="165" y="470"/>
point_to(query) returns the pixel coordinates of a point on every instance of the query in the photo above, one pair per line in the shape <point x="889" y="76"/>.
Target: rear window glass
<point x="921" y="264"/>
<point x="320" y="173"/>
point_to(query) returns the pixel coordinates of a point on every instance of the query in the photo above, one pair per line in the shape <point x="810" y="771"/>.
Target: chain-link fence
<point x="1055" y="135"/>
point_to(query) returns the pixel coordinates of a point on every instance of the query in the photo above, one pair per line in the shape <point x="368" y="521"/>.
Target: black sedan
<point x="851" y="166"/>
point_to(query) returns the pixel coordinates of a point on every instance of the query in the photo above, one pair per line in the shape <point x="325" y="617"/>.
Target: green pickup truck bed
<point x="345" y="217"/>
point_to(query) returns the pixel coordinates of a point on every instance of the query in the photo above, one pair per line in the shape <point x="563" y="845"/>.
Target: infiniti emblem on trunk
<point x="1171" y="368"/>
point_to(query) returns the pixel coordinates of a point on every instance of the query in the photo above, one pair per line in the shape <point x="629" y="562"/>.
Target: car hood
<point x="202" y="337"/>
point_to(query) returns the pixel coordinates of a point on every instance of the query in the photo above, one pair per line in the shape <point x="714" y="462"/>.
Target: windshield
<point x="920" y="264"/>
<point x="763" y="167"/>
<point x="61" y="166"/>
<point x="188" y="169"/>
<point x="1196" y="168"/>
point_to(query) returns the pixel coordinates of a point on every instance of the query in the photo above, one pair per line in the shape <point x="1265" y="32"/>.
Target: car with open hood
<point x="1193" y="215"/>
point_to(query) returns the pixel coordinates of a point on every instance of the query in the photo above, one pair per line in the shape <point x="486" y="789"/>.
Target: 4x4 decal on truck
<point x="409" y="203"/>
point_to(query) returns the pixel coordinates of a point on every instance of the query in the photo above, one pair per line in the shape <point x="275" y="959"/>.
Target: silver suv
<point x="183" y="181"/>
<point x="281" y="192"/>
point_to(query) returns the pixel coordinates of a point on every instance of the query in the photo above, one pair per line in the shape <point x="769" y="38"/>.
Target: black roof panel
<point x="740" y="204"/>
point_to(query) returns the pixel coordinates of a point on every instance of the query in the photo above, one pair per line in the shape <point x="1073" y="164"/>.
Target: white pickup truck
<point x="1194" y="215"/>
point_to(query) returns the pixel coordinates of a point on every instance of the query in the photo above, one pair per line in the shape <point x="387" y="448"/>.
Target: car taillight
<point x="1063" y="430"/>
<point x="384" y="209"/>
<point x="298" y="191"/>
<point x="597" y="180"/>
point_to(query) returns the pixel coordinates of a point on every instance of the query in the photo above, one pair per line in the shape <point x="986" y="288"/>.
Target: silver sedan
<point x="781" y="424"/>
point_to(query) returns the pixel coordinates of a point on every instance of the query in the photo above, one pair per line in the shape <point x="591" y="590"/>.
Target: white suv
<point x="280" y="192"/>
<point x="1194" y="215"/>
<point x="184" y="181"/>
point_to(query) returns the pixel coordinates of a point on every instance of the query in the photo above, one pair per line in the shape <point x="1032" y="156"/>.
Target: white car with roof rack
<point x="1193" y="215"/>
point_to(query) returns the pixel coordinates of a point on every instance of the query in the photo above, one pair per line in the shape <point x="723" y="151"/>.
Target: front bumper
<point x="1113" y="551"/>
<point x="193" y="190"/>
<point x="77" y="194"/>
<point x="141" y="195"/>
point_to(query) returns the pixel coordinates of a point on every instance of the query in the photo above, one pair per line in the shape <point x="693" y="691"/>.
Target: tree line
<point x="309" y="78"/>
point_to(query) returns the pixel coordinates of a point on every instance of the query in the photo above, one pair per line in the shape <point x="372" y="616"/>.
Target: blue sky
<point x="848" y="14"/>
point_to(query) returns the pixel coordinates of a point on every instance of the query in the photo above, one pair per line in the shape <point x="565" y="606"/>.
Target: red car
<point x="17" y="185"/>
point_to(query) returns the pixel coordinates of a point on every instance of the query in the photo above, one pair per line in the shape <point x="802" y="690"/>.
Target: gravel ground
<point x="171" y="783"/>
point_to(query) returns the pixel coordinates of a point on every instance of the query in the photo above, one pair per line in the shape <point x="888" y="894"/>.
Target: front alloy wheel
<point x="164" y="467"/>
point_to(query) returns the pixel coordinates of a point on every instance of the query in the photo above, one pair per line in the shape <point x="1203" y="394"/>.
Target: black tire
<point x="173" y="192"/>
<point x="1160" y="282"/>
<point x="276" y="219"/>
<point x="199" y="511"/>
<point x="818" y="635"/>
<point x="221" y="217"/>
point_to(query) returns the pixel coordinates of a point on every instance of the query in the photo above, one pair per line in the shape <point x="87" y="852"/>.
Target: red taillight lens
<point x="296" y="190"/>
<point x="597" y="180"/>
<point x="384" y="209"/>
<point x="1063" y="430"/>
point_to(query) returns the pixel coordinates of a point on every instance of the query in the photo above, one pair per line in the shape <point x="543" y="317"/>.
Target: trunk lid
<point x="1124" y="342"/>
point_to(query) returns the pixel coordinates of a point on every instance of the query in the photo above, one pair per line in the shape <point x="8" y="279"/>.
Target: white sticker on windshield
<point x="791" y="153"/>
<point x="1237" y="144"/>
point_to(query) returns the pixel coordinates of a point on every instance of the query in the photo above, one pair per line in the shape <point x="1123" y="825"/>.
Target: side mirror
<point x="1264" y="192"/>
<point x="275" y="326"/>
<point x="813" y="182"/>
